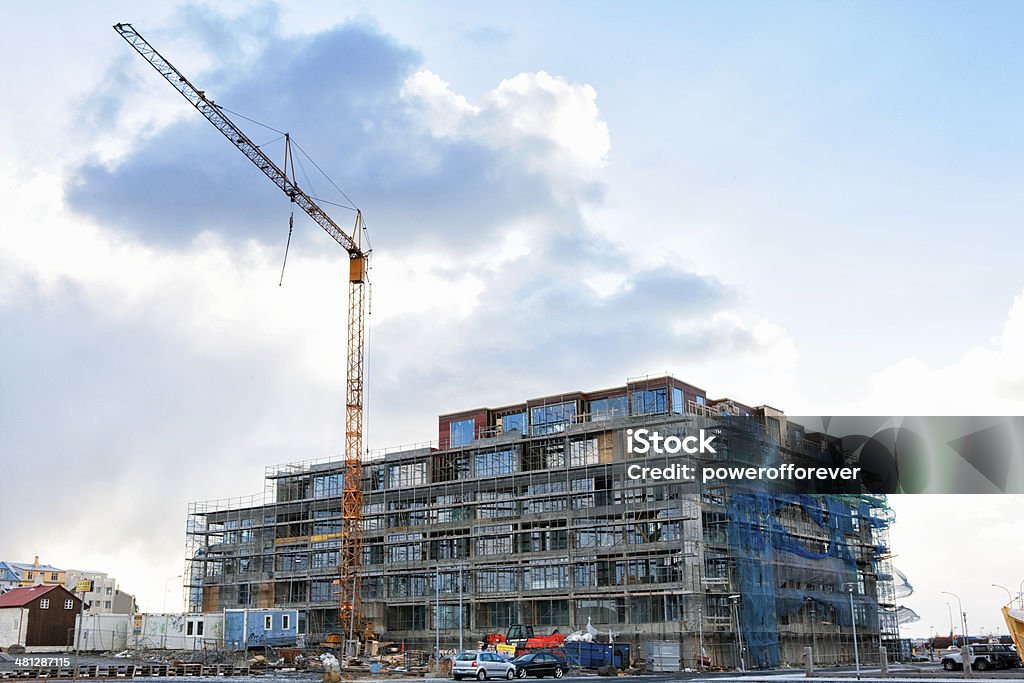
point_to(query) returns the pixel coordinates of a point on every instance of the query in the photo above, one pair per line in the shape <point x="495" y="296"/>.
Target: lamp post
<point x="437" y="620"/>
<point x="812" y="612"/>
<point x="700" y="630"/>
<point x="965" y="652"/>
<point x="461" y="618"/>
<point x="950" y="608"/>
<point x="853" y="622"/>
<point x="167" y="587"/>
<point x="1008" y="593"/>
<point x="735" y="599"/>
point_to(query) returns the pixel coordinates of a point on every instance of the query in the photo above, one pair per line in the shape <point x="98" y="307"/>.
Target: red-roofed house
<point x="38" y="616"/>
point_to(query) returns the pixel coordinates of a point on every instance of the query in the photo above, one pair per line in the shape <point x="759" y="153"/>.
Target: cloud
<point x="431" y="165"/>
<point x="557" y="123"/>
<point x="487" y="35"/>
<point x="988" y="379"/>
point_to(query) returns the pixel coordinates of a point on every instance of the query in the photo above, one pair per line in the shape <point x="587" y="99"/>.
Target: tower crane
<point x="349" y="614"/>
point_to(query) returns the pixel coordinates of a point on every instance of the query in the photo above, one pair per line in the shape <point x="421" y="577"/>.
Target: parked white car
<point x="481" y="666"/>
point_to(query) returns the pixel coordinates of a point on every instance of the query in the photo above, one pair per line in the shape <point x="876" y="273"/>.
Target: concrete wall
<point x="13" y="626"/>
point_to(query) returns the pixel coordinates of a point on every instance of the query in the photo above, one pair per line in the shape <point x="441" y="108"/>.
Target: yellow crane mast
<point x="352" y="491"/>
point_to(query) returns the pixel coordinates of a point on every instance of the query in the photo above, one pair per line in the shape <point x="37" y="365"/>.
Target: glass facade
<point x="553" y="418"/>
<point x="608" y="408"/>
<point x="515" y="422"/>
<point x="677" y="401"/>
<point x="461" y="432"/>
<point x="328" y="486"/>
<point x="495" y="463"/>
<point x="650" y="402"/>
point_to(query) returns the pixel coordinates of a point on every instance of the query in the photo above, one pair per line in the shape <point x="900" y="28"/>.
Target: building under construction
<point x="527" y="514"/>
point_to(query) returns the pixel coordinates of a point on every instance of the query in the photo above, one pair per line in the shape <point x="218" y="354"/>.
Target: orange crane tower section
<point x="352" y="490"/>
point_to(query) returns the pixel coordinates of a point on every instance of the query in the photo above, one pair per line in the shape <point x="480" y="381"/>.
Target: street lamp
<point x="1008" y="593"/>
<point x="437" y="620"/>
<point x="950" y="608"/>
<point x="812" y="612"/>
<point x="460" y="608"/>
<point x="965" y="653"/>
<point x="853" y="622"/>
<point x="700" y="630"/>
<point x="167" y="587"/>
<point x="735" y="599"/>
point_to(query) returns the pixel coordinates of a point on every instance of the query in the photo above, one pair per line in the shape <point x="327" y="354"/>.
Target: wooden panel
<point x="211" y="599"/>
<point x="605" y="447"/>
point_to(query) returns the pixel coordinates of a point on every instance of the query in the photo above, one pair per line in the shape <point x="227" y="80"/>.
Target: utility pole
<point x="965" y="651"/>
<point x="700" y="629"/>
<point x="735" y="599"/>
<point x="460" y="608"/>
<point x="853" y="622"/>
<point x="437" y="621"/>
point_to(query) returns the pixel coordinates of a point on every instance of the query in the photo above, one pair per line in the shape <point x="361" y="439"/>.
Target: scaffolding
<point x="536" y="521"/>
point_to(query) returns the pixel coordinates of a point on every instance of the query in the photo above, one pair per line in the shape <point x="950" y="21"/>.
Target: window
<point x="404" y="552"/>
<point x="677" y="401"/>
<point x="326" y="559"/>
<point x="541" y="575"/>
<point x="515" y="422"/>
<point x="328" y="485"/>
<point x="285" y="619"/>
<point x="583" y="452"/>
<point x="491" y="464"/>
<point x="199" y="628"/>
<point x="323" y="591"/>
<point x="497" y="581"/>
<point x="650" y="402"/>
<point x="608" y="408"/>
<point x="493" y="540"/>
<point x="461" y="432"/>
<point x="552" y="419"/>
<point x="44" y="603"/>
<point x="69" y="604"/>
<point x="410" y="618"/>
<point x="30" y="575"/>
<point x="268" y="622"/>
<point x="106" y="604"/>
<point x="54" y="577"/>
<point x="108" y="590"/>
<point x="189" y="628"/>
<point x="551" y="612"/>
<point x="409" y="474"/>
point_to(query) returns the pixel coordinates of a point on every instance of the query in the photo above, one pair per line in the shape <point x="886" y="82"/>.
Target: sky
<point x="809" y="205"/>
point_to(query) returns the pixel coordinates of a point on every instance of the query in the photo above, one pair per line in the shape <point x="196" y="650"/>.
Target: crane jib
<point x="239" y="139"/>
